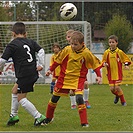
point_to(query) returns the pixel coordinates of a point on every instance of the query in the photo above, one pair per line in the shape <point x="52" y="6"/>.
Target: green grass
<point x="103" y="116"/>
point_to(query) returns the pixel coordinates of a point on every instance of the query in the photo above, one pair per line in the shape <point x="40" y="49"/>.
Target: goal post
<point x="45" y="33"/>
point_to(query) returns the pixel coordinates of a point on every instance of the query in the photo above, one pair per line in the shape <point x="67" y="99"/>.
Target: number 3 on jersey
<point x="28" y="52"/>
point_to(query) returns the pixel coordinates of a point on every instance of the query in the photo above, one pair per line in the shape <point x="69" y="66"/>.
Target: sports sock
<point x="115" y="92"/>
<point x="83" y="114"/>
<point x="73" y="100"/>
<point x="121" y="95"/>
<point x="29" y="107"/>
<point x="122" y="98"/>
<point x="86" y="94"/>
<point x="14" y="105"/>
<point x="50" y="110"/>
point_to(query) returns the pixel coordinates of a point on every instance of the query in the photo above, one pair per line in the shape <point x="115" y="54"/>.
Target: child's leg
<point x="121" y="95"/>
<point x="14" y="107"/>
<point x="116" y="90"/>
<point x="27" y="105"/>
<point x="14" y="101"/>
<point x="52" y="85"/>
<point x="82" y="110"/>
<point x="72" y="99"/>
<point x="50" y="109"/>
<point x="51" y="106"/>
<point x="86" y="95"/>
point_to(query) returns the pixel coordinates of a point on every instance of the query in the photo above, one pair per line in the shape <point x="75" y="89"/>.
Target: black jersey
<point x="23" y="52"/>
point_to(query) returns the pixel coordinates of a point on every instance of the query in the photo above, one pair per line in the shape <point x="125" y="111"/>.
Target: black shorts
<point x="26" y="84"/>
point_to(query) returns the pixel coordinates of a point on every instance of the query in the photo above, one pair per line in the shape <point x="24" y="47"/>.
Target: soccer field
<point x="104" y="115"/>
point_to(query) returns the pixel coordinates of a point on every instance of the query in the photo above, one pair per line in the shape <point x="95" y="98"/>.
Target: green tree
<point x="122" y="28"/>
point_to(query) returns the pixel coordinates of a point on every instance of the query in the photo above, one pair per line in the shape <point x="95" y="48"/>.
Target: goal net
<point x="45" y="33"/>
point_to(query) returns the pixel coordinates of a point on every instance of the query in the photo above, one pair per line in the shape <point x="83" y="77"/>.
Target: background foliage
<point x="99" y="14"/>
<point x="122" y="28"/>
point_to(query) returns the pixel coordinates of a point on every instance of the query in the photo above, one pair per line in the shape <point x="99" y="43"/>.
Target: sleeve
<point x="94" y="63"/>
<point x="59" y="58"/>
<point x="61" y="55"/>
<point x="2" y="64"/>
<point x="9" y="50"/>
<point x="36" y="46"/>
<point x="52" y="60"/>
<point x="104" y="58"/>
<point x="41" y="57"/>
<point x="124" y="58"/>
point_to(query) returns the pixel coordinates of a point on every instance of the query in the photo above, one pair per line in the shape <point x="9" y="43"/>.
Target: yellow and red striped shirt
<point x="74" y="67"/>
<point x="115" y="59"/>
<point x="56" y="72"/>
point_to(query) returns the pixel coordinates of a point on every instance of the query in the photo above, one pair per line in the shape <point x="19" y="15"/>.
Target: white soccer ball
<point x="68" y="11"/>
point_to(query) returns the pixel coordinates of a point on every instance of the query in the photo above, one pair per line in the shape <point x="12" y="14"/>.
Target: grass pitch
<point x="104" y="115"/>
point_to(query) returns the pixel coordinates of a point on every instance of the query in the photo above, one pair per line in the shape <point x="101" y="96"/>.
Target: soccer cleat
<point x="116" y="100"/>
<point x="38" y="121"/>
<point x="47" y="121"/>
<point x="12" y="120"/>
<point x="73" y="107"/>
<point x="124" y="104"/>
<point x="85" y="125"/>
<point x="88" y="106"/>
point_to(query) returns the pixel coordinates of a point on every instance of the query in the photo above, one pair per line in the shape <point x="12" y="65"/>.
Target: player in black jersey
<point x="23" y="53"/>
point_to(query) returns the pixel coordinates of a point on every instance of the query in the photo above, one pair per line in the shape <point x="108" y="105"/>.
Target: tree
<point x="122" y="28"/>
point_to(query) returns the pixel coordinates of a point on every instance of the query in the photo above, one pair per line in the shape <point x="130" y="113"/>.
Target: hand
<point x="98" y="80"/>
<point x="48" y="73"/>
<point x="39" y="68"/>
<point x="105" y="64"/>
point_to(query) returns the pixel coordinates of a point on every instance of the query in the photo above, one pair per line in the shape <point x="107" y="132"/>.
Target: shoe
<point x="12" y="120"/>
<point x="47" y="121"/>
<point x="88" y="106"/>
<point x="116" y="100"/>
<point x="73" y="107"/>
<point x="85" y="125"/>
<point x="38" y="121"/>
<point x="124" y="104"/>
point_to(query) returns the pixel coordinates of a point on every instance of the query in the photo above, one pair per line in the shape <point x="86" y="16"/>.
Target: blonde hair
<point x="77" y="36"/>
<point x="70" y="31"/>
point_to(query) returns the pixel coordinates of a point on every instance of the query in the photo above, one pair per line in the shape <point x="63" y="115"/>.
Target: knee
<point x="72" y="93"/>
<point x="86" y="85"/>
<point x="15" y="89"/>
<point x="112" y="89"/>
<point x="55" y="99"/>
<point x="79" y="99"/>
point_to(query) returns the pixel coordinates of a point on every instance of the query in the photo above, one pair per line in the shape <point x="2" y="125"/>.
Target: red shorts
<point x="114" y="82"/>
<point x="65" y="92"/>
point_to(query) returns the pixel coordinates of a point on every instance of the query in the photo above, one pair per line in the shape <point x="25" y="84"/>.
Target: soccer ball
<point x="68" y="11"/>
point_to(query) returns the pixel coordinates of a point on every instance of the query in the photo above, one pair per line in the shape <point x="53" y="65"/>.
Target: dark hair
<point x="19" y="28"/>
<point x="56" y="45"/>
<point x="113" y="37"/>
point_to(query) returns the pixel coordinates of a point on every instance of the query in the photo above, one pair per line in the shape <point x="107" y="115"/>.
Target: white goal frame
<point x="83" y="26"/>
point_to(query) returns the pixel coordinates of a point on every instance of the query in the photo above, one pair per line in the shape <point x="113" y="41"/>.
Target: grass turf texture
<point x="104" y="115"/>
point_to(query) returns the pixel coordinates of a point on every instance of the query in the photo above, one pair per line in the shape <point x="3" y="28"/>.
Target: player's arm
<point x="95" y="64"/>
<point x="98" y="73"/>
<point x="41" y="59"/>
<point x="52" y="68"/>
<point x="2" y="64"/>
<point x="104" y="60"/>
